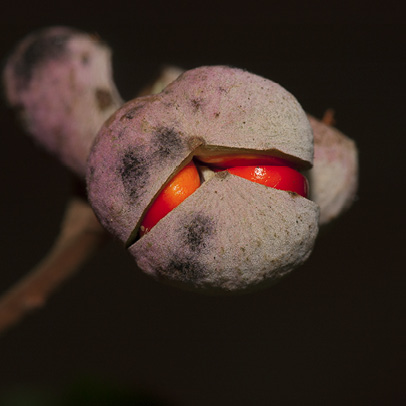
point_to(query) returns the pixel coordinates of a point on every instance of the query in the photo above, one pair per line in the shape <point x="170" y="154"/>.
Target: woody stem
<point x="81" y="234"/>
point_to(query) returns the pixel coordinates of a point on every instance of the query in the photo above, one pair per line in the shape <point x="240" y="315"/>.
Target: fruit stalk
<point x="81" y="235"/>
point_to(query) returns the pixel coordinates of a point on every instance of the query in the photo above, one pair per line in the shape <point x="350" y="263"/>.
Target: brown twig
<point x="81" y="234"/>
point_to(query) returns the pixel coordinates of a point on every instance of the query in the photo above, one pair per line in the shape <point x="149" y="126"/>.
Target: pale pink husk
<point x="60" y="80"/>
<point x="334" y="176"/>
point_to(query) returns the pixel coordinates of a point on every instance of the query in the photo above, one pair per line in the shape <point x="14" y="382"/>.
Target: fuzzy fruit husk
<point x="231" y="234"/>
<point x="60" y="82"/>
<point x="334" y="176"/>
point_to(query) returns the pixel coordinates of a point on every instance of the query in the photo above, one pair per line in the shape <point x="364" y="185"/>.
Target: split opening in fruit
<point x="180" y="187"/>
<point x="270" y="171"/>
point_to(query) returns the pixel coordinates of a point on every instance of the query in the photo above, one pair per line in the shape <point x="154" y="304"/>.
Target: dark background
<point x="332" y="333"/>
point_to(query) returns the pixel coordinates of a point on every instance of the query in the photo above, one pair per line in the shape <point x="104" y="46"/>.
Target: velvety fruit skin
<point x="334" y="176"/>
<point x="231" y="234"/>
<point x="60" y="82"/>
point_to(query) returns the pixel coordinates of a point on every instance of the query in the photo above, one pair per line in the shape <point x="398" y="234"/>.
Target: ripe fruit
<point x="178" y="189"/>
<point x="278" y="177"/>
<point x="229" y="234"/>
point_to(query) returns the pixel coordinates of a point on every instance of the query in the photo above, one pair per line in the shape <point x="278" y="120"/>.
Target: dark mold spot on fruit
<point x="197" y="231"/>
<point x="104" y="99"/>
<point x="168" y="142"/>
<point x="196" y="104"/>
<point x="186" y="269"/>
<point x="131" y="113"/>
<point x="40" y="50"/>
<point x="134" y="173"/>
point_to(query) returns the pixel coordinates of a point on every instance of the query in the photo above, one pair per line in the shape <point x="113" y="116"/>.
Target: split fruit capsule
<point x="230" y="233"/>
